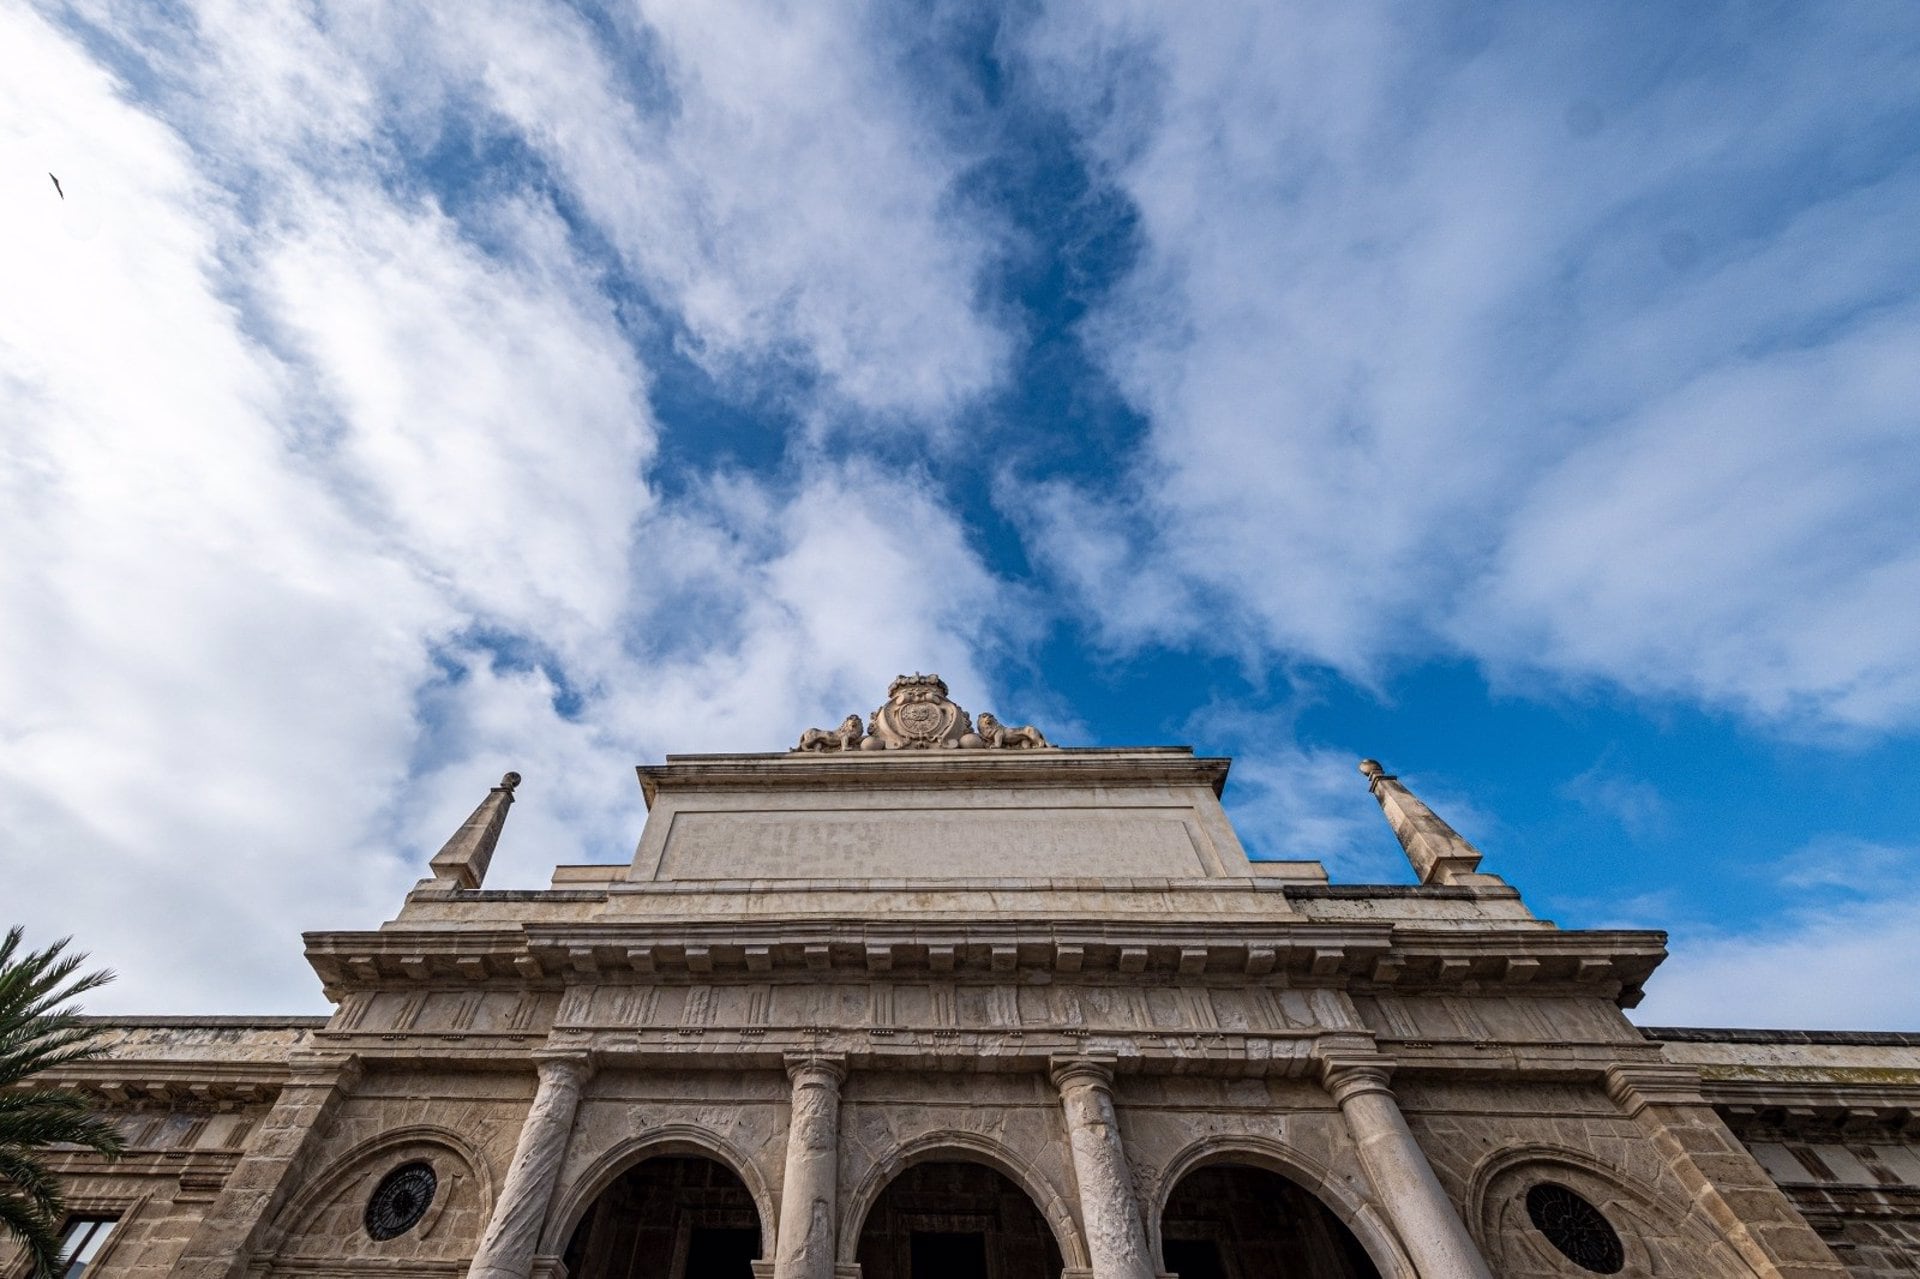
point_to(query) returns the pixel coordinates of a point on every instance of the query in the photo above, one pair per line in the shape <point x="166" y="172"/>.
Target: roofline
<point x="1049" y="766"/>
<point x="184" y="1022"/>
<point x="1761" y="1035"/>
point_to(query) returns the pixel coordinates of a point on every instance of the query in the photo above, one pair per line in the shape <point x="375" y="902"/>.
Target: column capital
<point x="816" y="1067"/>
<point x="1352" y="1075"/>
<point x="1093" y="1072"/>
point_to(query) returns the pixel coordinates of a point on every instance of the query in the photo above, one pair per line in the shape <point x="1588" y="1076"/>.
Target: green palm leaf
<point x="41" y="1029"/>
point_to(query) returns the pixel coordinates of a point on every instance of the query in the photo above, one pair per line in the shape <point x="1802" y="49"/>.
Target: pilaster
<point x="1765" y="1229"/>
<point x="224" y="1243"/>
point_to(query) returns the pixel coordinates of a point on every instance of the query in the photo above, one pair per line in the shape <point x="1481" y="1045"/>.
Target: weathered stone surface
<point x="918" y="715"/>
<point x="809" y="1188"/>
<point x="1109" y="1212"/>
<point x="512" y="1236"/>
<point x="827" y="968"/>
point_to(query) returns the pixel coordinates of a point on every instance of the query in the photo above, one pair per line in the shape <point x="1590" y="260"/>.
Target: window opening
<point x="1228" y="1220"/>
<point x="714" y="1251"/>
<point x="400" y="1200"/>
<point x="81" y="1241"/>
<point x="1577" y="1228"/>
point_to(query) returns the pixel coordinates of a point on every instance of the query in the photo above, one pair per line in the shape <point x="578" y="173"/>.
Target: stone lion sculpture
<point x="993" y="733"/>
<point x="844" y="738"/>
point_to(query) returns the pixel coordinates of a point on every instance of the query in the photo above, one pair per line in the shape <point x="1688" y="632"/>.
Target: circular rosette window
<point x="1576" y="1228"/>
<point x="401" y="1200"/>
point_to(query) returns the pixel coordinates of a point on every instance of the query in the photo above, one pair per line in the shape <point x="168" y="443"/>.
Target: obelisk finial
<point x="1439" y="853"/>
<point x="464" y="858"/>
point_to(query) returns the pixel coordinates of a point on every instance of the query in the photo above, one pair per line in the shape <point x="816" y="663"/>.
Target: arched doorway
<point x="1234" y="1221"/>
<point x="956" y="1220"/>
<point x="670" y="1217"/>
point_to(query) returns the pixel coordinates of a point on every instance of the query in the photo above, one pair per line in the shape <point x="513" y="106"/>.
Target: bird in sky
<point x="56" y="187"/>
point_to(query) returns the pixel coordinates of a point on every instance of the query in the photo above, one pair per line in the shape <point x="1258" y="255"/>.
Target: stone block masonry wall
<point x="191" y="1097"/>
<point x="1875" y="1232"/>
<point x="1857" y="1185"/>
<point x="1834" y="1119"/>
<point x="159" y="1191"/>
<point x="281" y="1157"/>
<point x="1647" y="1174"/>
<point x="463" y="1124"/>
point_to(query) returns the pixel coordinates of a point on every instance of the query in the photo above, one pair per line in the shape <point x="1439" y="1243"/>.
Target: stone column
<point x="224" y="1241"/>
<point x="520" y="1213"/>
<point x="1116" y="1241"/>
<point x="804" y="1243"/>
<point x="1411" y="1196"/>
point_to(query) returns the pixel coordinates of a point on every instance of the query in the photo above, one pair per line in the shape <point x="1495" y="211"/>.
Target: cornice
<point x="1815" y="1108"/>
<point x="1359" y="956"/>
<point x="217" y="1085"/>
<point x="863" y="770"/>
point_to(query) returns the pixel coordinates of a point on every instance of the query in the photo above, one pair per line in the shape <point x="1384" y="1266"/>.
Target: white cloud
<point x="1747" y="540"/>
<point x="324" y="508"/>
<point x="1635" y="803"/>
<point x="1846" y="911"/>
<point x="816" y="599"/>
<point x="1814" y="971"/>
<point x="782" y="199"/>
<point x="1848" y="864"/>
<point x="1499" y="351"/>
<point x="1309" y="803"/>
<point x="490" y="417"/>
<point x="201" y="653"/>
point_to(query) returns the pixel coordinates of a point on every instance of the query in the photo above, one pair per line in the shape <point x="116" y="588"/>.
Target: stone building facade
<point x="929" y="997"/>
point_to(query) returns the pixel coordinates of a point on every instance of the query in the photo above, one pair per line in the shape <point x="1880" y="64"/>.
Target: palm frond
<point x="35" y="1230"/>
<point x="40" y="1030"/>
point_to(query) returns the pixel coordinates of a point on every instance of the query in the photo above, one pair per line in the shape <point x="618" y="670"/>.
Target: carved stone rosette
<point x="919" y="715"/>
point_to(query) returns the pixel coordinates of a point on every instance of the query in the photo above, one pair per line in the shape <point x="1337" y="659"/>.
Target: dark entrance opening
<point x="948" y="1254"/>
<point x="1231" y="1221"/>
<point x="1194" y="1259"/>
<point x="677" y="1217"/>
<point x="956" y="1221"/>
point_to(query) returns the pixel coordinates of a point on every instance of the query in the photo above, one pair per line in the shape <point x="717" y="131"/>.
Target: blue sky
<point x="1528" y="396"/>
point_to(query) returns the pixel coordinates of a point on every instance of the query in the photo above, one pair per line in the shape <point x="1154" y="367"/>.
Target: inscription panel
<point x="946" y="843"/>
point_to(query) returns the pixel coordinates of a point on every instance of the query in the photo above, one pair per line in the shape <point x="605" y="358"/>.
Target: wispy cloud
<point x="1517" y="349"/>
<point x="1635" y="803"/>
<point x="1847" y="911"/>
<point x="328" y="489"/>
<point x="337" y="476"/>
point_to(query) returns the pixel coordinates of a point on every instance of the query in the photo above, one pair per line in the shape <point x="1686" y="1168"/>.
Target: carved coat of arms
<point x="920" y="716"/>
